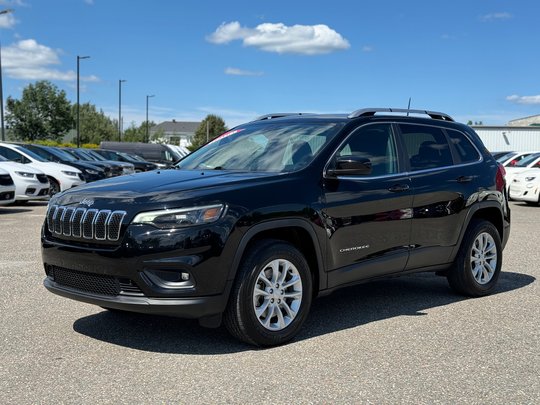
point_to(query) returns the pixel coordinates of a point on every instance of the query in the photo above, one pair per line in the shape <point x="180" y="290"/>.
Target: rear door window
<point x="426" y="146"/>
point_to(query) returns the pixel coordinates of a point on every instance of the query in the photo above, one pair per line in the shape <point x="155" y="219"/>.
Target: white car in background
<point x="526" y="187"/>
<point x="511" y="159"/>
<point x="61" y="177"/>
<point x="30" y="183"/>
<point x="7" y="188"/>
<point x="530" y="162"/>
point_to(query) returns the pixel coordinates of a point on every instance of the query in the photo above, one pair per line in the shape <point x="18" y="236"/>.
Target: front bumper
<point x="143" y="272"/>
<point x="190" y="307"/>
<point x="521" y="191"/>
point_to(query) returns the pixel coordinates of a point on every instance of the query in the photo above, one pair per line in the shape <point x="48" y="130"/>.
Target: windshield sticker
<point x="228" y="133"/>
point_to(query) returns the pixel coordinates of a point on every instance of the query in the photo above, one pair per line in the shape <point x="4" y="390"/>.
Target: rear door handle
<point x="464" y="179"/>
<point x="398" y="188"/>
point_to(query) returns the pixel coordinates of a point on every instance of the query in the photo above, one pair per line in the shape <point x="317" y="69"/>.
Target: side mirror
<point x="351" y="166"/>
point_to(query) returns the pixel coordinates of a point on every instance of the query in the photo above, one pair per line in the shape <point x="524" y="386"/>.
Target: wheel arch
<point x="488" y="211"/>
<point x="298" y="233"/>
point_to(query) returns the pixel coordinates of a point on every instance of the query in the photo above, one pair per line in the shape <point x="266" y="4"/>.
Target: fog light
<point x="169" y="278"/>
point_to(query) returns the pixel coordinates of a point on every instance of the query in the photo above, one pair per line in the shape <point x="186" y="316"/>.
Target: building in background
<point x="525" y="121"/>
<point x="175" y="132"/>
<point x="509" y="138"/>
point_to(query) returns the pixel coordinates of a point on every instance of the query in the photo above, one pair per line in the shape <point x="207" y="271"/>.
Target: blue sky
<point x="475" y="59"/>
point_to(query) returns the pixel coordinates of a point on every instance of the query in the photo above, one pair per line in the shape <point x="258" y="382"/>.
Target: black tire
<point x="54" y="187"/>
<point x="461" y="276"/>
<point x="240" y="317"/>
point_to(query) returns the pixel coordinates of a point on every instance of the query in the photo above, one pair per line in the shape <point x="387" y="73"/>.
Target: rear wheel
<point x="272" y="295"/>
<point x="478" y="263"/>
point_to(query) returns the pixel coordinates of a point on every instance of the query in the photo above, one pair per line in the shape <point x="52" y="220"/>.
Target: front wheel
<point x="272" y="295"/>
<point x="478" y="263"/>
<point x="54" y="187"/>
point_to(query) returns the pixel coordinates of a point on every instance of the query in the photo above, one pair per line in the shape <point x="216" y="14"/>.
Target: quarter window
<point x="463" y="146"/>
<point x="376" y="143"/>
<point x="426" y="146"/>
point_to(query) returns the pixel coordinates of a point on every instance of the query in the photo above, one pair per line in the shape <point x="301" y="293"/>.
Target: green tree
<point x="216" y="126"/>
<point x="43" y="112"/>
<point x="138" y="134"/>
<point x="95" y="126"/>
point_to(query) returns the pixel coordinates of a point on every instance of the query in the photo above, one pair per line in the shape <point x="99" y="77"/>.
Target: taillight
<point x="500" y="178"/>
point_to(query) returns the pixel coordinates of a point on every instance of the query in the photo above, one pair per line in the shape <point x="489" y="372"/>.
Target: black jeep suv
<point x="255" y="224"/>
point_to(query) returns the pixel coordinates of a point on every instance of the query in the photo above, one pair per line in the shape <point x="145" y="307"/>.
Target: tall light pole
<point x="1" y="89"/>
<point x="120" y="109"/>
<point x="78" y="104"/>
<point x="147" y="97"/>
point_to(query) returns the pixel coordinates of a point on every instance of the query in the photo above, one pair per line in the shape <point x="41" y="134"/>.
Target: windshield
<point x="95" y="155"/>
<point x="505" y="157"/>
<point x="525" y="162"/>
<point x="29" y="153"/>
<point x="83" y="155"/>
<point x="62" y="155"/>
<point x="263" y="147"/>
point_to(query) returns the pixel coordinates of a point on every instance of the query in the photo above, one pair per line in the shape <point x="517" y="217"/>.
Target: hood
<point x="19" y="167"/>
<point x="79" y="164"/>
<point x="528" y="173"/>
<point x="48" y="166"/>
<point x="161" y="188"/>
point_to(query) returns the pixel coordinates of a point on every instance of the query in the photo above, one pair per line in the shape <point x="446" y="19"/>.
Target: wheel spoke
<point x="293" y="294"/>
<point x="275" y="271"/>
<point x="294" y="280"/>
<point x="284" y="272"/>
<point x="262" y="277"/>
<point x="260" y="310"/>
<point x="269" y="316"/>
<point x="258" y="292"/>
<point x="290" y="313"/>
<point x="281" y="321"/>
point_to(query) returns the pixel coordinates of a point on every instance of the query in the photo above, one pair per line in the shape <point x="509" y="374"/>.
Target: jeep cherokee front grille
<point x="84" y="223"/>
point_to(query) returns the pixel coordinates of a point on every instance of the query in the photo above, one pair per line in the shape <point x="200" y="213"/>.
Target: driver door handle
<point x="398" y="188"/>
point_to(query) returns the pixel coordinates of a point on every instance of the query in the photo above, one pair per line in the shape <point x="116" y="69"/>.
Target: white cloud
<point x="367" y="48"/>
<point x="524" y="99"/>
<point x="496" y="16"/>
<point x="298" y="39"/>
<point x="7" y="21"/>
<point x="240" y="72"/>
<point x="27" y="59"/>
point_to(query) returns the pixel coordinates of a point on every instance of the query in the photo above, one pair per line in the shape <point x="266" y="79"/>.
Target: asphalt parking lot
<point x="405" y="340"/>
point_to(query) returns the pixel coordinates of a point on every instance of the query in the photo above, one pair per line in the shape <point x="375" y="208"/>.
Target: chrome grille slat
<point x="88" y="223"/>
<point x="58" y="220"/>
<point x="50" y="217"/>
<point x="100" y="231"/>
<point x="83" y="223"/>
<point x="114" y="224"/>
<point x="66" y="221"/>
<point x="76" y="221"/>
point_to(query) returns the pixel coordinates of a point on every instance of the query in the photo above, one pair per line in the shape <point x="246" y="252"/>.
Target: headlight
<point x="71" y="174"/>
<point x="531" y="178"/>
<point x="90" y="171"/>
<point x="181" y="217"/>
<point x="26" y="174"/>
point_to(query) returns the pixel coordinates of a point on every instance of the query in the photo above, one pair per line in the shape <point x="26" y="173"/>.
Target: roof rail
<point x="368" y="112"/>
<point x="276" y="115"/>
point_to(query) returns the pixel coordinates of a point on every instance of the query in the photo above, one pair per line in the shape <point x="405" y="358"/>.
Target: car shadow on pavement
<point x="5" y="210"/>
<point x="346" y="308"/>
